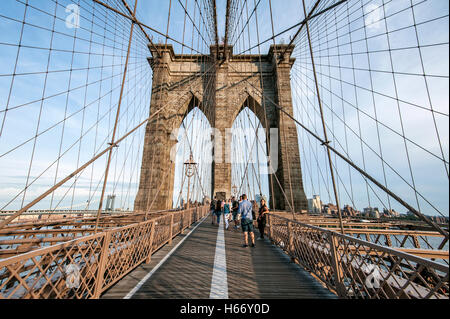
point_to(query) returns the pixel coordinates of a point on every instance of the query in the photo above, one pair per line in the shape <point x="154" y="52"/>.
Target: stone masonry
<point x="221" y="85"/>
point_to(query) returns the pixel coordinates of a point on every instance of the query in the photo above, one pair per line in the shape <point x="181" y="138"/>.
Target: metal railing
<point x="87" y="266"/>
<point x="56" y="212"/>
<point x="354" y="268"/>
<point x="350" y="267"/>
<point x="28" y="235"/>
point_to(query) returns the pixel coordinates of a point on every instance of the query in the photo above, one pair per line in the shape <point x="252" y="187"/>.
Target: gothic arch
<point x="254" y="104"/>
<point x="189" y="101"/>
<point x="183" y="147"/>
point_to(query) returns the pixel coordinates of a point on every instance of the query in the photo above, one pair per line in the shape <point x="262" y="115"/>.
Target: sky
<point x="387" y="107"/>
<point x="408" y="117"/>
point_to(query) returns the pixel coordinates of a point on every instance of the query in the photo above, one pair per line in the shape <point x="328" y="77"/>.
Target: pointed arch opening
<point x="193" y="138"/>
<point x="255" y="105"/>
<point x="249" y="154"/>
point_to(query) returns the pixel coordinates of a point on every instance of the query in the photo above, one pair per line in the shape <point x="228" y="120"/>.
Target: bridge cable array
<point x="72" y="89"/>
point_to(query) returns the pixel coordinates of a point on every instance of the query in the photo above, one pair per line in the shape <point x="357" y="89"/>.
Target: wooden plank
<point x="261" y="272"/>
<point x="186" y="274"/>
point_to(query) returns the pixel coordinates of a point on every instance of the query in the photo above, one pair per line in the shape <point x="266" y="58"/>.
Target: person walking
<point x="219" y="210"/>
<point x="262" y="218"/>
<point x="254" y="208"/>
<point x="245" y="209"/>
<point x="212" y="209"/>
<point x="234" y="209"/>
<point x="226" y="212"/>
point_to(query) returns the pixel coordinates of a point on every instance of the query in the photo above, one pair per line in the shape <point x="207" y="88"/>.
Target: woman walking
<point x="219" y="209"/>
<point x="262" y="218"/>
<point x="226" y="212"/>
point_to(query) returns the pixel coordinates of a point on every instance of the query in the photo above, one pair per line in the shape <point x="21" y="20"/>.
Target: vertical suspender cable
<point x="323" y="121"/>
<point x="116" y="121"/>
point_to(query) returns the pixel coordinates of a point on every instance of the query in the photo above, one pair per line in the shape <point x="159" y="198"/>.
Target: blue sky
<point x="418" y="125"/>
<point x="97" y="56"/>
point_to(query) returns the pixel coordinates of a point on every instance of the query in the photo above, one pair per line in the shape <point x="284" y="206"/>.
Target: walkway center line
<point x="219" y="283"/>
<point x="147" y="277"/>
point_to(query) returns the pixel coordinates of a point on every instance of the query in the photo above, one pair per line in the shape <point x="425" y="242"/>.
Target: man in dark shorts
<point x="245" y="209"/>
<point x="234" y="211"/>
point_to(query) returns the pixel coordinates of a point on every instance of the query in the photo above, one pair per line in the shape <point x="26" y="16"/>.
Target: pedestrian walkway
<point x="208" y="263"/>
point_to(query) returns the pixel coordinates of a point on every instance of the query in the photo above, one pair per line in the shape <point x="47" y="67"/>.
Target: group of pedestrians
<point x="243" y="213"/>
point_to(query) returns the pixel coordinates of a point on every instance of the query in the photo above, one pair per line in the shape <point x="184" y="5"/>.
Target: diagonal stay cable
<point x="356" y="167"/>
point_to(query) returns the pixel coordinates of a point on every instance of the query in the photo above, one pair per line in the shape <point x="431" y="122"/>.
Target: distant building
<point x="372" y="212"/>
<point x="315" y="205"/>
<point x="330" y="209"/>
<point x="390" y="213"/>
<point x="349" y="211"/>
<point x="439" y="219"/>
<point x="110" y="199"/>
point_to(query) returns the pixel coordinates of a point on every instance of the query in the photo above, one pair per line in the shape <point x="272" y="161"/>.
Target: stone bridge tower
<point x="221" y="85"/>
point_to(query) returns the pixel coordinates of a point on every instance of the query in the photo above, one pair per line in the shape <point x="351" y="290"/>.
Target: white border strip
<point x="147" y="277"/>
<point x="219" y="283"/>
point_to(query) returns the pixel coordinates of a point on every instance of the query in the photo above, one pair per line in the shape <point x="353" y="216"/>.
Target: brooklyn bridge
<point x="130" y="129"/>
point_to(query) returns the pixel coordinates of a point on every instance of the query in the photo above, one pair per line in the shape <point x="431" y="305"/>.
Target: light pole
<point x="234" y="189"/>
<point x="189" y="172"/>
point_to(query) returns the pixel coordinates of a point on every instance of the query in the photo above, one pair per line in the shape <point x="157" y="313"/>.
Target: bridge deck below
<point x="251" y="273"/>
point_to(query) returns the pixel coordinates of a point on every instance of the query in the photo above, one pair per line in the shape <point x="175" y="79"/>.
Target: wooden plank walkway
<point x="251" y="273"/>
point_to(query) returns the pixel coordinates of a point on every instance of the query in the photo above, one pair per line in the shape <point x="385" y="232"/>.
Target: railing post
<point x="152" y="235"/>
<point x="190" y="217"/>
<point x="181" y="225"/>
<point x="102" y="265"/>
<point x="270" y="220"/>
<point x="291" y="241"/>
<point x="171" y="229"/>
<point x="336" y="264"/>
